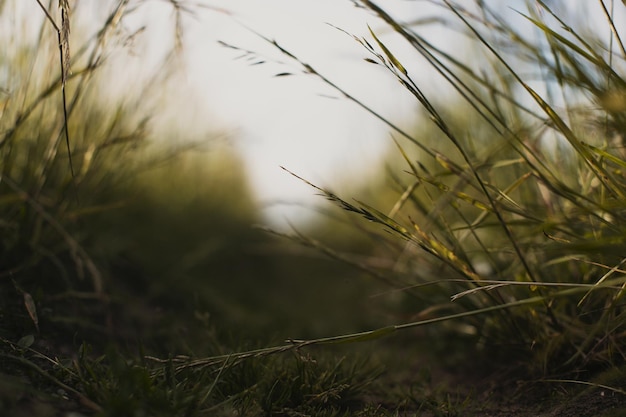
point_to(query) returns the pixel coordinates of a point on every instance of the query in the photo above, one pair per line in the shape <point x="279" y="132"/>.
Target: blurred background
<point x="181" y="116"/>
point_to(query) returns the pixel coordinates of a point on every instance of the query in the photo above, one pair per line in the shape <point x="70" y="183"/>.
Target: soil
<point x="537" y="399"/>
<point x="478" y="390"/>
<point x="503" y="395"/>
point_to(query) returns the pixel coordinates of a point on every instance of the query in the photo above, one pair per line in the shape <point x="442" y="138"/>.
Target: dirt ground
<point x="479" y="390"/>
<point x="498" y="396"/>
<point x="535" y="402"/>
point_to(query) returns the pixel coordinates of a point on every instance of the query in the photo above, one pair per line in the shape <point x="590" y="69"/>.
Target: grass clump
<point x="509" y="219"/>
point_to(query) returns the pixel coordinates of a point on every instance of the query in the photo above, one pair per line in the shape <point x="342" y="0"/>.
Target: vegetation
<point x="128" y="289"/>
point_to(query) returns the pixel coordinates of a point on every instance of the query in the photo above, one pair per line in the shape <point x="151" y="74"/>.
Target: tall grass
<point x="510" y="210"/>
<point x="78" y="165"/>
<point x="117" y="247"/>
<point x="40" y="186"/>
<point x="506" y="227"/>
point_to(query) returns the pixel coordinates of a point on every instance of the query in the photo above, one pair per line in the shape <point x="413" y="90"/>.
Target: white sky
<point x="288" y="121"/>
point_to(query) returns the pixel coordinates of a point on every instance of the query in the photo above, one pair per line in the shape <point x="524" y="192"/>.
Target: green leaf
<point x="371" y="335"/>
<point x="29" y="303"/>
<point x="394" y="61"/>
<point x="26" y="341"/>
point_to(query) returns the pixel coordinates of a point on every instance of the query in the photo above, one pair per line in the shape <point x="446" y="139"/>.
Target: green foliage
<point x="505" y="237"/>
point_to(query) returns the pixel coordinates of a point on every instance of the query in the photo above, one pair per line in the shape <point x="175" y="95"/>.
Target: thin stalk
<point x="62" y="35"/>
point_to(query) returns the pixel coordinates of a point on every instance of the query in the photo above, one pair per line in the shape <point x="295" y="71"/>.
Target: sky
<point x="293" y="121"/>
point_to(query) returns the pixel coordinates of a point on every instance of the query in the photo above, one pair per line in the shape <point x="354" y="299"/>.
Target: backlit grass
<point x="135" y="282"/>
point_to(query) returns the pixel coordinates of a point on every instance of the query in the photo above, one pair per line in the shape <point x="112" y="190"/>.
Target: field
<point x="482" y="274"/>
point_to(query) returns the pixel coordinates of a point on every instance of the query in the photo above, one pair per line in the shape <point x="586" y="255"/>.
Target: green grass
<point x="137" y="252"/>
<point x="482" y="274"/>
<point x="509" y="216"/>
